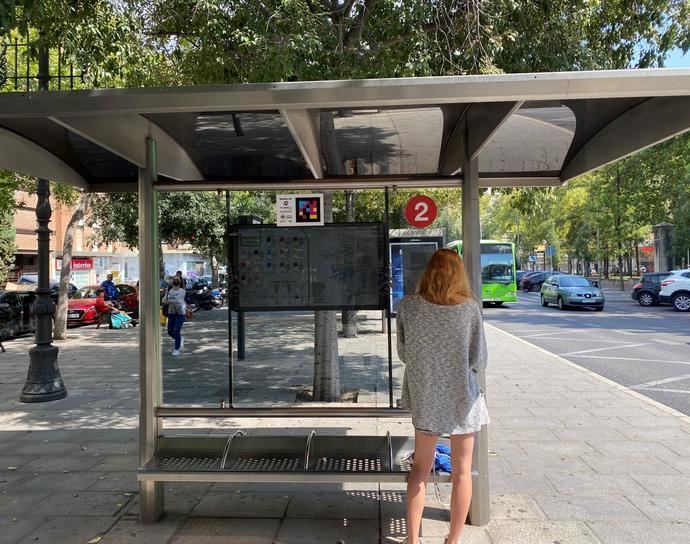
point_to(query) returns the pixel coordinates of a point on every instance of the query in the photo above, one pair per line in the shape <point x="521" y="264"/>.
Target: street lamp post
<point x="43" y="381"/>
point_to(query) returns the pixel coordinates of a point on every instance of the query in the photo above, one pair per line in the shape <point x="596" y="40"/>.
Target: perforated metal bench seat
<point x="279" y="458"/>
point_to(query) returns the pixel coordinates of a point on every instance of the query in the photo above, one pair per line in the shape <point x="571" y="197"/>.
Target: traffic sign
<point x="420" y="211"/>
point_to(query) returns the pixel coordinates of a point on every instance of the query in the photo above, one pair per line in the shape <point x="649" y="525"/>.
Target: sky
<point x="677" y="60"/>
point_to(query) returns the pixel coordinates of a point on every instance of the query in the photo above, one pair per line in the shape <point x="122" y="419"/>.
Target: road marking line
<point x="665" y="380"/>
<point x="602" y="349"/>
<point x="581" y="339"/>
<point x="667" y="342"/>
<point x="625" y="332"/>
<point x="661" y="389"/>
<point x="544" y="334"/>
<point x="633" y="359"/>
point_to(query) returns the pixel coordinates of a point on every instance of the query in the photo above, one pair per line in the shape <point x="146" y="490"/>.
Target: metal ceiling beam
<point x="351" y="93"/>
<point x="651" y="122"/>
<point x="304" y="127"/>
<point x="125" y="136"/>
<point x="359" y="182"/>
<point x="20" y="154"/>
<point x="473" y="132"/>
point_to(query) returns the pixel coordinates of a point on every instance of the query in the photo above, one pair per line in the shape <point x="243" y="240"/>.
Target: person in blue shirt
<point x="109" y="288"/>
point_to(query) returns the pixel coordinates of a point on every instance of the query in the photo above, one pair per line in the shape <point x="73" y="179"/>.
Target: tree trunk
<point x="214" y="272"/>
<point x="350" y="316"/>
<point x="326" y="363"/>
<point x="60" y="322"/>
<point x="637" y="258"/>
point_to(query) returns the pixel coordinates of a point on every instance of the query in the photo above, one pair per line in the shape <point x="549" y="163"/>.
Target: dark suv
<point x="533" y="282"/>
<point x="646" y="291"/>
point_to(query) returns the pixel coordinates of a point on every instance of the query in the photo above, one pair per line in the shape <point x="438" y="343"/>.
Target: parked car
<point x="647" y="290"/>
<point x="16" y="316"/>
<point x="534" y="281"/>
<point x="519" y="274"/>
<point x="675" y="290"/>
<point x="81" y="309"/>
<point x="567" y="290"/>
<point x="29" y="283"/>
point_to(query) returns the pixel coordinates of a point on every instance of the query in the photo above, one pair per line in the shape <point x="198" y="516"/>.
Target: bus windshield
<point x="497" y="263"/>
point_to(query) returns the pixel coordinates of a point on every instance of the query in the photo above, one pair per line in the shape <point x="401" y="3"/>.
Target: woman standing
<point x="177" y="309"/>
<point x="441" y="341"/>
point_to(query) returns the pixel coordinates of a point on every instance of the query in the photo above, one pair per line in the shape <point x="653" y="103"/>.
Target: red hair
<point x="445" y="281"/>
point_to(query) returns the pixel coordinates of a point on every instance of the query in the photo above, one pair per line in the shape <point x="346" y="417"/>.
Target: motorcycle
<point x="217" y="296"/>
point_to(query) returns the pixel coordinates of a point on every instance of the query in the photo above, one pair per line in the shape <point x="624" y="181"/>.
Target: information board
<point x="336" y="266"/>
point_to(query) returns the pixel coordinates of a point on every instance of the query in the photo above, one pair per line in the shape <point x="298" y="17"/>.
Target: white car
<point x="675" y="290"/>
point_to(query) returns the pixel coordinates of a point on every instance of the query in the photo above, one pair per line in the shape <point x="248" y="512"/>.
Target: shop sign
<point x="77" y="263"/>
<point x="299" y="210"/>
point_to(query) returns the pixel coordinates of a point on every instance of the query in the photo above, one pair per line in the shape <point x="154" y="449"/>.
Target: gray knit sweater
<point x="442" y="348"/>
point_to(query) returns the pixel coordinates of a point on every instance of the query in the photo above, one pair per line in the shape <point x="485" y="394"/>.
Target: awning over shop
<point x="525" y="130"/>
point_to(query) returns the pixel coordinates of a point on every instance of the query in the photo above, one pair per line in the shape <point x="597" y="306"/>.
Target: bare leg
<point x="424" y="451"/>
<point x="461" y="446"/>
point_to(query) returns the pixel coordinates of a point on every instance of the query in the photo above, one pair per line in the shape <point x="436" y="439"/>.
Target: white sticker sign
<point x="299" y="210"/>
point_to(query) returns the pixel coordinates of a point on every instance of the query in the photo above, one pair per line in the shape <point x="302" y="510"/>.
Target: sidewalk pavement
<point x="575" y="458"/>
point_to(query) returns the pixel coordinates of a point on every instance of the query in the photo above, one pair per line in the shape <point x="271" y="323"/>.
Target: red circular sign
<point x="420" y="211"/>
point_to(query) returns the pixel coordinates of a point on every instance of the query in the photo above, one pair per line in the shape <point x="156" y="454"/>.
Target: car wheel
<point x="543" y="302"/>
<point x="536" y="288"/>
<point x="681" y="302"/>
<point x="646" y="298"/>
<point x="561" y="306"/>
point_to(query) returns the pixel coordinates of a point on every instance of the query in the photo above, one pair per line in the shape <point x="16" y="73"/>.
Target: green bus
<point x="498" y="270"/>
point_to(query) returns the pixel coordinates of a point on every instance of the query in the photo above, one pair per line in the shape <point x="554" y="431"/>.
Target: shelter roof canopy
<point x="524" y="130"/>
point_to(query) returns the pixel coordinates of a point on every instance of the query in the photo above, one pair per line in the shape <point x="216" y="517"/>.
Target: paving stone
<point x="68" y="529"/>
<point x="351" y="504"/>
<point x="84" y="503"/>
<point x="327" y="531"/>
<point x="507" y="484"/>
<point x="629" y="448"/>
<point x="20" y="503"/>
<point x="588" y="508"/>
<point x="665" y="484"/>
<point x="116" y="481"/>
<point x="118" y="463"/>
<point x="540" y="532"/>
<point x="593" y="483"/>
<point x="622" y="464"/>
<point x="515" y="507"/>
<point x="52" y="481"/>
<point x="562" y="448"/>
<point x="243" y="505"/>
<point x="662" y="508"/>
<point x="73" y="463"/>
<point x="13" y="528"/>
<point x="646" y="532"/>
<point x="227" y="531"/>
<point x="535" y="464"/>
<point x="131" y="531"/>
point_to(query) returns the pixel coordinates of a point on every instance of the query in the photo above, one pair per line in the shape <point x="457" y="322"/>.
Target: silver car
<point x="570" y="291"/>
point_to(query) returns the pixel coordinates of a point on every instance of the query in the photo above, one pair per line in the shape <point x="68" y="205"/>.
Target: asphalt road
<point x="646" y="349"/>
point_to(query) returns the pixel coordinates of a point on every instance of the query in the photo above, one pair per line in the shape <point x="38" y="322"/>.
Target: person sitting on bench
<point x="104" y="308"/>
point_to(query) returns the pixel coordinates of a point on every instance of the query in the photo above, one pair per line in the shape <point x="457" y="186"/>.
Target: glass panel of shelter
<point x="278" y="368"/>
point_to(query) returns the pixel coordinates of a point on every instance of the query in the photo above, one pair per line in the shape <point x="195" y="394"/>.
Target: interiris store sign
<point x="77" y="263"/>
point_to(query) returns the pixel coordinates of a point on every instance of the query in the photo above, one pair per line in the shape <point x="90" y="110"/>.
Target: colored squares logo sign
<point x="308" y="210"/>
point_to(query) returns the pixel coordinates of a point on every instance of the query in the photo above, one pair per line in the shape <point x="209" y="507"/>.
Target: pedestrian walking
<point x="183" y="281"/>
<point x="176" y="311"/>
<point x="440" y="339"/>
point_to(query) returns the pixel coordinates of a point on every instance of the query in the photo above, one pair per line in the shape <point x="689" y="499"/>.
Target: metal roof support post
<point x="151" y="500"/>
<point x="471" y="235"/>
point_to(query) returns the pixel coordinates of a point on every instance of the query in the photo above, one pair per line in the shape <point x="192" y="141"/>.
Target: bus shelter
<point x="519" y="130"/>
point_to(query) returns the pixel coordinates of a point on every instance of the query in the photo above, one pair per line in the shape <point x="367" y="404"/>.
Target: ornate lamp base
<point x="43" y="382"/>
